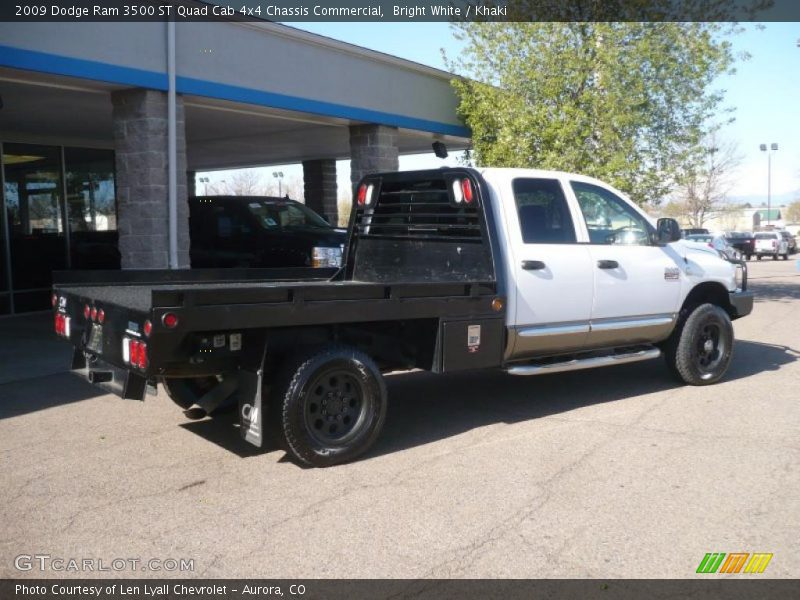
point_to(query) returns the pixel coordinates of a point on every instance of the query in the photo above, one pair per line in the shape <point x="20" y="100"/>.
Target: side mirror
<point x="667" y="230"/>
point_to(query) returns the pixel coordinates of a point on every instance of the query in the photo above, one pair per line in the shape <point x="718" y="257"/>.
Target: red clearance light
<point x="148" y="328"/>
<point x="94" y="313"/>
<point x="54" y="299"/>
<point x="101" y="316"/>
<point x="87" y="310"/>
<point x="466" y="187"/>
<point x="170" y="320"/>
<point x="362" y="194"/>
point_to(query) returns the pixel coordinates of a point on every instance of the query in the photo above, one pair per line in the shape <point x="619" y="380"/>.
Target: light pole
<point x="772" y="148"/>
<point x="204" y="181"/>
<point x="279" y="176"/>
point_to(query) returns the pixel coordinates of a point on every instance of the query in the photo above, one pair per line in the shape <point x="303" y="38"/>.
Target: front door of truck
<point x="636" y="284"/>
<point x="553" y="296"/>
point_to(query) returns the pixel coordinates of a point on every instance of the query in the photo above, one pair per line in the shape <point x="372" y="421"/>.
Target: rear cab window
<point x="543" y="212"/>
<point x="766" y="236"/>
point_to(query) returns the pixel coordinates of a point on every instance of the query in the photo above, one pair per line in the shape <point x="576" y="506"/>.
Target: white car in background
<point x="717" y="242"/>
<point x="771" y="243"/>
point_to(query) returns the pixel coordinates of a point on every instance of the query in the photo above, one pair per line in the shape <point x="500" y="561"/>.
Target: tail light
<point x="134" y="352"/>
<point x="62" y="325"/>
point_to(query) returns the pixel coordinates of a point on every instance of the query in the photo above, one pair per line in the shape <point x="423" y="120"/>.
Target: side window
<point x="229" y="223"/>
<point x="543" y="212"/>
<point x="609" y="218"/>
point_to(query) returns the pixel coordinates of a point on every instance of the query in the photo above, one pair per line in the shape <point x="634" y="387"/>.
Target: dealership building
<point x="104" y="125"/>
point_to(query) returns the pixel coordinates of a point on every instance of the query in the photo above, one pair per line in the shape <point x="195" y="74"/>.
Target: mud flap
<point x="251" y="379"/>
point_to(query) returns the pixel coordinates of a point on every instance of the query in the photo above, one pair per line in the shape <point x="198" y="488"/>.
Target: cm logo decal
<point x="734" y="562"/>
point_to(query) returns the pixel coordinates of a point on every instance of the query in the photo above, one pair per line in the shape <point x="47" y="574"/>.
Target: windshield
<point x="273" y="215"/>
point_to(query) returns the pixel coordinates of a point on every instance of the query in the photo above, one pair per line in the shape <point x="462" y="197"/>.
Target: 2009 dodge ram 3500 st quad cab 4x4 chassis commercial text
<point x="452" y="269"/>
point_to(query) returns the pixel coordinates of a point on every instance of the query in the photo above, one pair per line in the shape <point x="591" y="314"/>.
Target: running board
<point x="585" y="363"/>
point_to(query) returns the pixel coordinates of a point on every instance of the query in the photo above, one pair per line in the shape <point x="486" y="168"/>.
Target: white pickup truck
<point x="532" y="272"/>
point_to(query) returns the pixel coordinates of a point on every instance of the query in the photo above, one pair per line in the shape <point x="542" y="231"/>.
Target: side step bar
<point x="585" y="363"/>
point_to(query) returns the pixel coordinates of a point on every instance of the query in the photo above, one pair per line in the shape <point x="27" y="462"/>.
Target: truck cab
<point x="580" y="240"/>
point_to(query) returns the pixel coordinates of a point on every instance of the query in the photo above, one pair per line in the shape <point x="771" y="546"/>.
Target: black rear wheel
<point x="330" y="406"/>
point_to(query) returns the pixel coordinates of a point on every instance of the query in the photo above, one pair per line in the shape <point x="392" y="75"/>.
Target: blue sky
<point x="765" y="92"/>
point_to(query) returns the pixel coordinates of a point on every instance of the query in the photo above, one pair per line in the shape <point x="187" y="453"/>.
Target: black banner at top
<point x="399" y="10"/>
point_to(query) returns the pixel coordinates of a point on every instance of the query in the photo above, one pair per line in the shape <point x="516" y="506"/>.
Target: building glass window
<point x="5" y="274"/>
<point x="33" y="193"/>
<point x="91" y="208"/>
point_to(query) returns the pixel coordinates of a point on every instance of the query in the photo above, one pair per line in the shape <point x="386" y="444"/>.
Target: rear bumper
<point x="742" y="303"/>
<point x="121" y="382"/>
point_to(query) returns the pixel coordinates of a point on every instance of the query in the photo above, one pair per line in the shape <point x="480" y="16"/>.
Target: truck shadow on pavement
<point x="45" y="391"/>
<point x="425" y="408"/>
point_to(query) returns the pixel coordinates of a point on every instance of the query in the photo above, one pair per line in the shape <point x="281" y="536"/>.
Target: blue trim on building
<point x="42" y="62"/>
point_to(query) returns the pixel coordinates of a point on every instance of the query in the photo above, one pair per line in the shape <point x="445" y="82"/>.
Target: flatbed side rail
<point x="299" y="306"/>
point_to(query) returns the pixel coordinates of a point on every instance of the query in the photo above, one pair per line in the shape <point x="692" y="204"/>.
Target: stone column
<point x="319" y="179"/>
<point x="140" y="142"/>
<point x="373" y="148"/>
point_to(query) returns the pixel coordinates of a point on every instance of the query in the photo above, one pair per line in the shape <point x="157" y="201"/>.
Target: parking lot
<point x="616" y="472"/>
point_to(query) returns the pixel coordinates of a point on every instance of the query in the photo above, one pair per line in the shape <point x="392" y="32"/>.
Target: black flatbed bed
<point x="270" y="297"/>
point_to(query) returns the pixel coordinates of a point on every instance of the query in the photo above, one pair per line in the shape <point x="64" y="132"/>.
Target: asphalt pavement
<point x="613" y="473"/>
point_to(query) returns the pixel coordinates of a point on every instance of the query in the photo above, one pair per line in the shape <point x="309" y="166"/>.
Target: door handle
<point x="533" y="265"/>
<point x="607" y="264"/>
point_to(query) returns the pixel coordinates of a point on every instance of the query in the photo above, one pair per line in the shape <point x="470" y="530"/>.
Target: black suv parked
<point x="260" y="231"/>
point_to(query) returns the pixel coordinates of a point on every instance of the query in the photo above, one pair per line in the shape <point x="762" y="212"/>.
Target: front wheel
<point x="331" y="406"/>
<point x="785" y="256"/>
<point x="701" y="347"/>
<point x="758" y="257"/>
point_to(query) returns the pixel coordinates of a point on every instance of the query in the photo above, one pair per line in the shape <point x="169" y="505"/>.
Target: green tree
<point x="628" y="103"/>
